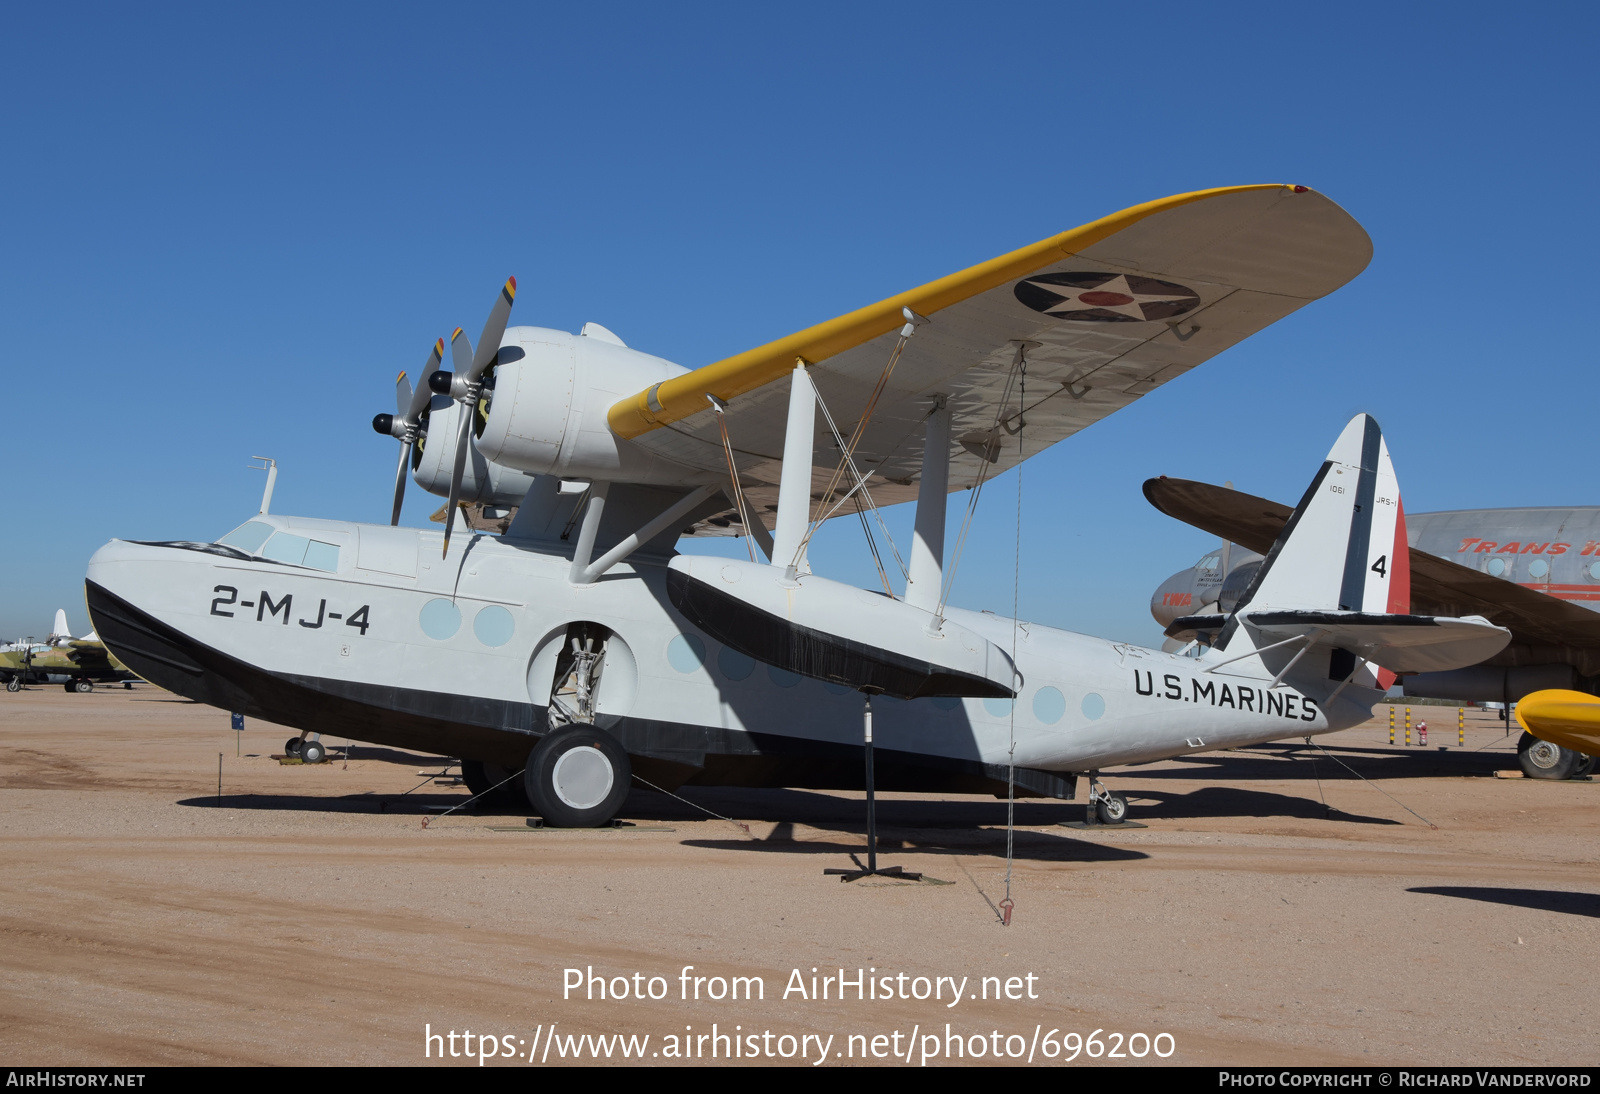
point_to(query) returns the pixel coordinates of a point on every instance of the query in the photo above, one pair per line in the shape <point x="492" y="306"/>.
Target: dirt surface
<point x="1276" y="910"/>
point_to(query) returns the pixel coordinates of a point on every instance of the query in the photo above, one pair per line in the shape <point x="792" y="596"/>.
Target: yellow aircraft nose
<point x="1570" y="719"/>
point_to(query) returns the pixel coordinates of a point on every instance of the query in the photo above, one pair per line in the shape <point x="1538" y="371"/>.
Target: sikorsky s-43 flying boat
<point x="581" y="651"/>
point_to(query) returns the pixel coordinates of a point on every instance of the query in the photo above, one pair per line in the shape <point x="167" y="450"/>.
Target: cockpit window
<point x="248" y="537"/>
<point x="300" y="551"/>
<point x="1210" y="562"/>
<point x="253" y="538"/>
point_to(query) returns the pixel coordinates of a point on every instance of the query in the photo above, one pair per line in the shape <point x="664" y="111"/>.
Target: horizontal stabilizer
<point x="1399" y="643"/>
<point x="836" y="633"/>
<point x="1570" y="719"/>
<point x="1188" y="628"/>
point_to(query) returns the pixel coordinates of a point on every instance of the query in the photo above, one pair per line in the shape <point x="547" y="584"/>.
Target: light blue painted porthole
<point x="1538" y="568"/>
<point x="1594" y="569"/>
<point x="1049" y="705"/>
<point x="834" y="689"/>
<point x="1093" y="706"/>
<point x="947" y="702"/>
<point x="782" y="677"/>
<point x="686" y="652"/>
<point x="997" y="708"/>
<point x="494" y="626"/>
<point x="735" y="665"/>
<point x="1497" y="566"/>
<point x="440" y="619"/>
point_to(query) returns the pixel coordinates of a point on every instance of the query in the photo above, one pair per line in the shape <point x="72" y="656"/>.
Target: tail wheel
<point x="1112" y="809"/>
<point x="578" y="777"/>
<point x="1543" y="760"/>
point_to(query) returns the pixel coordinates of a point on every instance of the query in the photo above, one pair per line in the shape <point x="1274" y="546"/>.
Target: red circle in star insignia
<point x="1105" y="299"/>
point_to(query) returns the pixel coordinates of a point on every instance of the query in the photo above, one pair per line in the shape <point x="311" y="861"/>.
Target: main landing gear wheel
<point x="488" y="784"/>
<point x="578" y="777"/>
<point x="1543" y="760"/>
<point x="291" y="747"/>
<point x="13" y="684"/>
<point x="313" y="752"/>
<point x="1112" y="809"/>
<point x="83" y="687"/>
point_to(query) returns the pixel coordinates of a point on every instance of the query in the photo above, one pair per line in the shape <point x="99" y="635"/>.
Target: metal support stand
<point x="871" y="868"/>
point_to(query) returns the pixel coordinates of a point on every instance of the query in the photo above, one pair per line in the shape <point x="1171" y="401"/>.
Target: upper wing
<point x="1105" y="313"/>
<point x="1537" y="621"/>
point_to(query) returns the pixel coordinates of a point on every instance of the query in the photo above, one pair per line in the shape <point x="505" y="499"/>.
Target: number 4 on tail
<point x="1380" y="567"/>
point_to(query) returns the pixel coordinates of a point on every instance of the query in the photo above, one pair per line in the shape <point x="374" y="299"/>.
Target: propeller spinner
<point x="405" y="424"/>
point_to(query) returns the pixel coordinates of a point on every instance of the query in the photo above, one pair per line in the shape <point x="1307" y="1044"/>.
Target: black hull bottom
<point x="669" y="754"/>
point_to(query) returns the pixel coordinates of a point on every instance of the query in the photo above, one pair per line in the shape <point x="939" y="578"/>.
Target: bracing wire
<point x="825" y="512"/>
<point x="984" y="465"/>
<point x="733" y="477"/>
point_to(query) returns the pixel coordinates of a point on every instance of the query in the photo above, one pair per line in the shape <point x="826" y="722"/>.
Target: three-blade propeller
<point x="406" y="423"/>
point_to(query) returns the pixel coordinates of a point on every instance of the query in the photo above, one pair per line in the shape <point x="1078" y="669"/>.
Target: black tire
<point x="67" y="687"/>
<point x="488" y="784"/>
<point x="1543" y="760"/>
<point x="291" y="747"/>
<point x="1585" y="767"/>
<point x="127" y="685"/>
<point x="578" y="777"/>
<point x="14" y="684"/>
<point x="313" y="752"/>
<point x="1112" y="809"/>
<point x="83" y="687"/>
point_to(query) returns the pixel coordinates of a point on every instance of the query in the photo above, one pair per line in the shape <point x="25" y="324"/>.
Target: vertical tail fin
<point x="1344" y="548"/>
<point x="59" y="628"/>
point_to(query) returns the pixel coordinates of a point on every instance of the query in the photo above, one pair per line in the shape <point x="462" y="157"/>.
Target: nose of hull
<point x="130" y="593"/>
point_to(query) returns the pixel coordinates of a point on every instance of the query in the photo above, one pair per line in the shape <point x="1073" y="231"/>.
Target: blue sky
<point x="223" y="231"/>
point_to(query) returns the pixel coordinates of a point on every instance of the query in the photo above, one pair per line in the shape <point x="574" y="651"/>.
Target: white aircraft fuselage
<point x="394" y="646"/>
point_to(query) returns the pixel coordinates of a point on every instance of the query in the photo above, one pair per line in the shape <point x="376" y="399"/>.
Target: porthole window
<point x="997" y="708"/>
<point x="1539" y="568"/>
<point x="1094" y="706"/>
<point x="782" y="677"/>
<point x="494" y="626"/>
<point x="1594" y="570"/>
<point x="1497" y="567"/>
<point x="735" y="665"/>
<point x="834" y="689"/>
<point x="440" y="619"/>
<point x="686" y="652"/>
<point x="1049" y="705"/>
<point x="946" y="702"/>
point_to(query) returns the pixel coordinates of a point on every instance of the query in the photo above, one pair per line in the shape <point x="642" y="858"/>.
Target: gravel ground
<point x="1276" y="910"/>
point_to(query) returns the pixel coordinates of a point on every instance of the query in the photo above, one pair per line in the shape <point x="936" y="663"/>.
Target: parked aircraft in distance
<point x="578" y="651"/>
<point x="1535" y="571"/>
<point x="74" y="663"/>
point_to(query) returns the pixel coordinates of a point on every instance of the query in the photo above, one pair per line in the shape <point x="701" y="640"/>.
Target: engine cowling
<point x="547" y="414"/>
<point x="482" y="481"/>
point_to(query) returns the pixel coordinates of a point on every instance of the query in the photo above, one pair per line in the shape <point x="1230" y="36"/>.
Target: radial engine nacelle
<point x="481" y="481"/>
<point x="547" y="413"/>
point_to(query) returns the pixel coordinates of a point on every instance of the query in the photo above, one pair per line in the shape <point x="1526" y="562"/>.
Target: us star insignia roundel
<point x="1105" y="298"/>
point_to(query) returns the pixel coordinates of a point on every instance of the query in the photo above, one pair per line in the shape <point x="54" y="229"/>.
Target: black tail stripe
<point x="1355" y="555"/>
<point x="1272" y="555"/>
